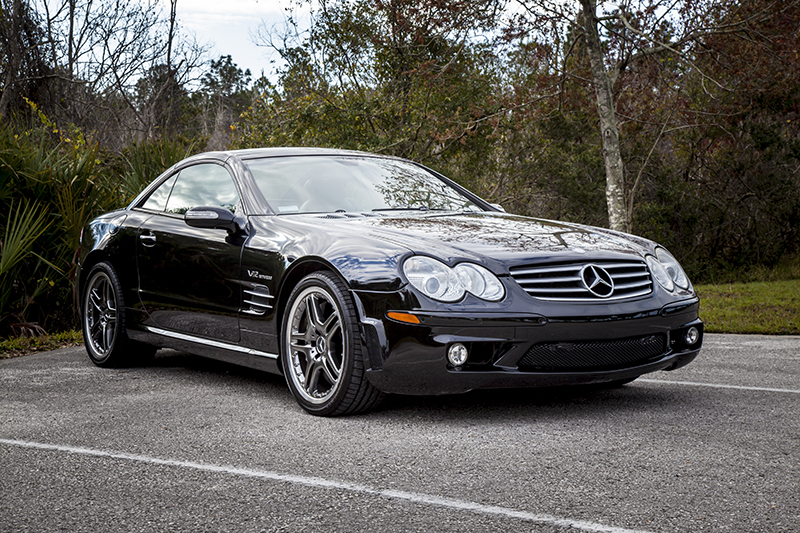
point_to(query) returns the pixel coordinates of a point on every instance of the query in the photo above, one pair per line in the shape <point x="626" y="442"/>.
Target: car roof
<point x="255" y="153"/>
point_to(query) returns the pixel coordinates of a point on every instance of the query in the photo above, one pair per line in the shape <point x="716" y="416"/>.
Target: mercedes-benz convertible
<point x="356" y="275"/>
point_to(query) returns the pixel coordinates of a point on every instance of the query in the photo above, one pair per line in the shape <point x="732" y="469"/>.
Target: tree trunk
<point x="11" y="33"/>
<point x="171" y="35"/>
<point x="615" y="170"/>
<point x="71" y="51"/>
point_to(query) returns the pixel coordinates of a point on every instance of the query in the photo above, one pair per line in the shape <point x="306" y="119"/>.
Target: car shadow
<point x="494" y="404"/>
<point x="167" y="358"/>
<point x="573" y="402"/>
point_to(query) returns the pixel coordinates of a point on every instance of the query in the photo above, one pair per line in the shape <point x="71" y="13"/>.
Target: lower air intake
<point x="593" y="355"/>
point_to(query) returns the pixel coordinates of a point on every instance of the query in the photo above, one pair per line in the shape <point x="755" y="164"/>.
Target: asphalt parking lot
<point x="187" y="444"/>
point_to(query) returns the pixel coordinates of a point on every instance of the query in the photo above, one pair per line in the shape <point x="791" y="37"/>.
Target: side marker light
<point x="408" y="318"/>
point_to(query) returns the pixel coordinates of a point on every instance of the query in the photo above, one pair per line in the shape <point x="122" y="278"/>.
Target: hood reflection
<point x="484" y="232"/>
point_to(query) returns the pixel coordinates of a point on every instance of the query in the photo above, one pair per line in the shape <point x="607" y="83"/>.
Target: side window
<point x="158" y="198"/>
<point x="203" y="184"/>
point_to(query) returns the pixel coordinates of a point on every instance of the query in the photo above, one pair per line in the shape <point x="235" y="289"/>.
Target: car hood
<point x="508" y="239"/>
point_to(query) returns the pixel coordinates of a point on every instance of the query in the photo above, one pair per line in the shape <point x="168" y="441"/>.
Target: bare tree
<point x="173" y="7"/>
<point x="100" y="49"/>
<point x="612" y="156"/>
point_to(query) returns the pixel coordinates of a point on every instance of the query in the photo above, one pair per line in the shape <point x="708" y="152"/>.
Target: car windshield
<point x="326" y="184"/>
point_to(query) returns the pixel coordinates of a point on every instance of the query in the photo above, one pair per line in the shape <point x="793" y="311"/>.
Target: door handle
<point x="148" y="239"/>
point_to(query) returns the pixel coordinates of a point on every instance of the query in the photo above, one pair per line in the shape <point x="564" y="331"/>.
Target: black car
<point x="356" y="275"/>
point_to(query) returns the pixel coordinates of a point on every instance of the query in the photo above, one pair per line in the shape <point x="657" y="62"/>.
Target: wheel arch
<point x="357" y="394"/>
<point x="93" y="258"/>
<point x="296" y="272"/>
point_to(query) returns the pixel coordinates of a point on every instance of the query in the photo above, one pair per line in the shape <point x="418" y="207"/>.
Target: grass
<point x="762" y="307"/>
<point x="14" y="347"/>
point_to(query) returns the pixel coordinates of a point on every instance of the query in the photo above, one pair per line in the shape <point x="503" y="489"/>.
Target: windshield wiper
<point x="420" y="208"/>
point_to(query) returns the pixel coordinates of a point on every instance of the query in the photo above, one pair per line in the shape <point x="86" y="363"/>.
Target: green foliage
<point x="224" y="79"/>
<point x="710" y="137"/>
<point x="58" y="170"/>
<point x="25" y="224"/>
<point x="722" y="190"/>
<point x="382" y="79"/>
<point x="711" y="174"/>
<point x="225" y="92"/>
<point x="26" y="345"/>
<point x="144" y="162"/>
<point x="70" y="181"/>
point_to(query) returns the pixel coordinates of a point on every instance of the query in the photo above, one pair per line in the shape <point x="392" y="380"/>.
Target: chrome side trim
<point x="260" y="294"/>
<point x="257" y="308"/>
<point x="208" y="342"/>
<point x="255" y="312"/>
<point x="251" y="302"/>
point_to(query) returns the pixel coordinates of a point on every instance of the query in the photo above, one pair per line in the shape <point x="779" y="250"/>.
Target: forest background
<point x="676" y="120"/>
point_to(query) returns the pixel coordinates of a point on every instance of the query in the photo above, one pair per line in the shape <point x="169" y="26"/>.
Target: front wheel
<point x="103" y="321"/>
<point x="321" y="349"/>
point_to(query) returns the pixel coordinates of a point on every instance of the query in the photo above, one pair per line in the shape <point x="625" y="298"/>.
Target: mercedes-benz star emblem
<point x="597" y="281"/>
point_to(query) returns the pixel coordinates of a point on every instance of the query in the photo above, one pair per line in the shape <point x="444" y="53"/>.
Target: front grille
<point x="592" y="355"/>
<point x="573" y="281"/>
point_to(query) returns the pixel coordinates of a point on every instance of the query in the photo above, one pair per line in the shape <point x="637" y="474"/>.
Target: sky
<point x="226" y="27"/>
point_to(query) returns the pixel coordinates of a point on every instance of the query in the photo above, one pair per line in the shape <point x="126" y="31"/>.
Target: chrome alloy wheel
<point x="316" y="344"/>
<point x="100" y="314"/>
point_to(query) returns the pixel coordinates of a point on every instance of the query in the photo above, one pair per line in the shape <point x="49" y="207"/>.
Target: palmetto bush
<point x="25" y="224"/>
<point x="53" y="181"/>
<point x="49" y="187"/>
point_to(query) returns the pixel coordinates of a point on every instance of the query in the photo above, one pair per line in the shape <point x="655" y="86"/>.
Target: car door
<point x="188" y="277"/>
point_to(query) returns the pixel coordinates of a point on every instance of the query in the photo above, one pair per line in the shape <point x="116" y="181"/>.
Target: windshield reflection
<point x="326" y="184"/>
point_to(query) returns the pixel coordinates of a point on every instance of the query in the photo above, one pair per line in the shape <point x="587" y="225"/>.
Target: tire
<point x="321" y="350"/>
<point x="103" y="321"/>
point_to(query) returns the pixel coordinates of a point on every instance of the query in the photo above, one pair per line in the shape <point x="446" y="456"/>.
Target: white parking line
<point x="414" y="497"/>
<point x="717" y="385"/>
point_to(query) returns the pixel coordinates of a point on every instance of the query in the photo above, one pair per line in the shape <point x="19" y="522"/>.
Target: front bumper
<point x="407" y="358"/>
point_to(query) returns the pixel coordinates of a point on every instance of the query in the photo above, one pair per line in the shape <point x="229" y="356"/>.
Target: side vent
<point x="373" y="345"/>
<point x="257" y="300"/>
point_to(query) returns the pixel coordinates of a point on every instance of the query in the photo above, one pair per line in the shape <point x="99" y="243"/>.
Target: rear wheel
<point x="321" y="349"/>
<point x="103" y="321"/>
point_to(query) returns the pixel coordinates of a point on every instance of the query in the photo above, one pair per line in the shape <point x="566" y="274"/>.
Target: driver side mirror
<point x="208" y="217"/>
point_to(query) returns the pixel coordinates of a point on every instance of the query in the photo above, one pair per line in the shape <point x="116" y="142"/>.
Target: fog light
<point x="457" y="354"/>
<point x="691" y="336"/>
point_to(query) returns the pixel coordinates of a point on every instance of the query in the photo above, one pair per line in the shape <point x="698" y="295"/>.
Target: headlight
<point x="440" y="282"/>
<point x="433" y="278"/>
<point x="667" y="270"/>
<point x="673" y="268"/>
<point x="480" y="282"/>
<point x="660" y="273"/>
